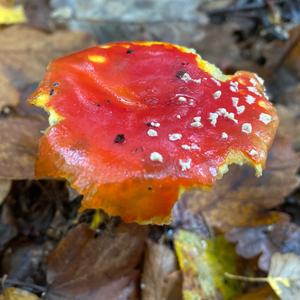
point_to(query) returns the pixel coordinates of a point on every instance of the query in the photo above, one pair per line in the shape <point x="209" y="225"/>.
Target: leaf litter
<point x="38" y="218"/>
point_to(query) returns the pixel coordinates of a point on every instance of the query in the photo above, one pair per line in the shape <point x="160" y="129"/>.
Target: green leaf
<point x="203" y="263"/>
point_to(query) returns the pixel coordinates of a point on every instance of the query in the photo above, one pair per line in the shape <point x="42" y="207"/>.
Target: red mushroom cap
<point x="132" y="123"/>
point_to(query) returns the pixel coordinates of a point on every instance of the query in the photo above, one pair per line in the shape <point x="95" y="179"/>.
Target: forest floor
<point x="244" y="226"/>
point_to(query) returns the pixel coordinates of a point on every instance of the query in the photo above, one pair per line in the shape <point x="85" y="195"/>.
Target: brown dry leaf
<point x="19" y="140"/>
<point x="25" y="52"/>
<point x="265" y="241"/>
<point x="241" y="199"/>
<point x="161" y="279"/>
<point x="84" y="266"/>
<point x="24" y="55"/>
<point x="17" y="294"/>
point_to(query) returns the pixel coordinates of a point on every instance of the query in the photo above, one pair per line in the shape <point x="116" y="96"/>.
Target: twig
<point x="243" y="278"/>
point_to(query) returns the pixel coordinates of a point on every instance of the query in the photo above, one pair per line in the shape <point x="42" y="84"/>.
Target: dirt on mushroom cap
<point x="132" y="123"/>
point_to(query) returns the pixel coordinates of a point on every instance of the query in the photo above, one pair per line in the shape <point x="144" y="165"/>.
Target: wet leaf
<point x="17" y="294"/>
<point x="284" y="275"/>
<point x="85" y="266"/>
<point x="265" y="241"/>
<point x="240" y="199"/>
<point x="203" y="263"/>
<point x="161" y="279"/>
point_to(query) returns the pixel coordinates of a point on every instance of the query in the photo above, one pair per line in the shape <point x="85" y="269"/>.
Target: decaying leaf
<point x="265" y="241"/>
<point x="161" y="279"/>
<point x="85" y="266"/>
<point x="243" y="200"/>
<point x="284" y="275"/>
<point x="203" y="263"/>
<point x="17" y="294"/>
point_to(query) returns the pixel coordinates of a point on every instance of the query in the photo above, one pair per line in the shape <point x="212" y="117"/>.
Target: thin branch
<point x="243" y="278"/>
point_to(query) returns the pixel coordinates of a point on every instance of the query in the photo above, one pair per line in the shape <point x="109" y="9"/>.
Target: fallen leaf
<point x="284" y="275"/>
<point x="24" y="55"/>
<point x="19" y="141"/>
<point x="160" y="279"/>
<point x="203" y="263"/>
<point x="17" y="294"/>
<point x="261" y="293"/>
<point x="25" y="52"/>
<point x="240" y="199"/>
<point x="12" y="14"/>
<point x="265" y="241"/>
<point x="185" y="218"/>
<point x="93" y="268"/>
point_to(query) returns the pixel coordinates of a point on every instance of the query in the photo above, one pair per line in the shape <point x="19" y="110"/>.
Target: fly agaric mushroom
<point x="133" y="123"/>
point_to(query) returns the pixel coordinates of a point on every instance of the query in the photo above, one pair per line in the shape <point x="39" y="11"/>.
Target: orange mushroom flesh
<point x="133" y="123"/>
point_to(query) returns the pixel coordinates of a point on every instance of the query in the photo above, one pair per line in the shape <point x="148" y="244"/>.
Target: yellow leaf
<point x="12" y="15"/>
<point x="203" y="263"/>
<point x="17" y="294"/>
